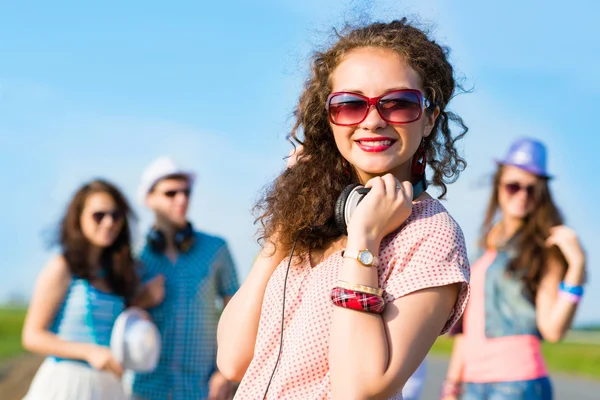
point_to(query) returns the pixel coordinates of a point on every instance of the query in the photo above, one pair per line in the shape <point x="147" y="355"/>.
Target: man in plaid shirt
<point x="197" y="270"/>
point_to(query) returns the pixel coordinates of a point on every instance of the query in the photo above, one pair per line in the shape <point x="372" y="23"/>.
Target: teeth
<point x="376" y="143"/>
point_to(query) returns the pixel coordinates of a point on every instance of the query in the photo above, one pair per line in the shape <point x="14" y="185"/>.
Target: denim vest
<point x="508" y="308"/>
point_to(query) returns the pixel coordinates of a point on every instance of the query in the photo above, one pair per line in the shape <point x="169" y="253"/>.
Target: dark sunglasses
<point x="98" y="216"/>
<point x="396" y="107"/>
<point x="172" y="193"/>
<point x="513" y="188"/>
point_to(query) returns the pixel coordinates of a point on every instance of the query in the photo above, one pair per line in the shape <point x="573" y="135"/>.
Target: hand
<point x="383" y="210"/>
<point x="155" y="290"/>
<point x="219" y="388"/>
<point x="566" y="240"/>
<point x="100" y="358"/>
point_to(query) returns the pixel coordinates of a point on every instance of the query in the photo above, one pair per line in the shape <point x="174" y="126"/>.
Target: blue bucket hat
<point x="529" y="155"/>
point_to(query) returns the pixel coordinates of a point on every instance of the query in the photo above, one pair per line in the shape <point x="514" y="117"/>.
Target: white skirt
<point x="69" y="380"/>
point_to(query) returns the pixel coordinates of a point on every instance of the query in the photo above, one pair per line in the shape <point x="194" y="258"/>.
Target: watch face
<point x="366" y="258"/>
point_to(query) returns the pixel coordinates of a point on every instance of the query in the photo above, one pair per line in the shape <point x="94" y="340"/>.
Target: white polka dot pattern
<point x="427" y="251"/>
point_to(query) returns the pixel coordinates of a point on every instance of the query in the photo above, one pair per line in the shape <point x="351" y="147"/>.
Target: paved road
<point x="565" y="388"/>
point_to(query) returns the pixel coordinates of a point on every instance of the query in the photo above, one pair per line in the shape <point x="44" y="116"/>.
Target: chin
<point x="374" y="168"/>
<point x="103" y="243"/>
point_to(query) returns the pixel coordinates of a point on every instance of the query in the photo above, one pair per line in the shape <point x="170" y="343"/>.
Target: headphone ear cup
<point x="184" y="239"/>
<point x="156" y="240"/>
<point x="340" y="208"/>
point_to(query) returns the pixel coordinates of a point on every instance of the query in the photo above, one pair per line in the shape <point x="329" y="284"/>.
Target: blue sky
<point x="101" y="90"/>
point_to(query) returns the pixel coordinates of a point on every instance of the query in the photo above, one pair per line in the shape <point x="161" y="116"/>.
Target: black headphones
<point x="184" y="239"/>
<point x="345" y="205"/>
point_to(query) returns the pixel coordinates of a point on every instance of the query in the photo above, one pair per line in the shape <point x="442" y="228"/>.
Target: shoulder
<point x="209" y="239"/>
<point x="56" y="271"/>
<point x="429" y="221"/>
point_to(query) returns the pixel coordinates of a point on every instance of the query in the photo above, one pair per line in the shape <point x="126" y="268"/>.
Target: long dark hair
<point x="529" y="243"/>
<point x="116" y="259"/>
<point x="304" y="196"/>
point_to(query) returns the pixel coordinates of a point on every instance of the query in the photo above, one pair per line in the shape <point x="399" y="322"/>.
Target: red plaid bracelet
<point x="357" y="301"/>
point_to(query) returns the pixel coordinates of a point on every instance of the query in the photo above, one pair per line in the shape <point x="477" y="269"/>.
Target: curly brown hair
<point x="532" y="254"/>
<point x="303" y="197"/>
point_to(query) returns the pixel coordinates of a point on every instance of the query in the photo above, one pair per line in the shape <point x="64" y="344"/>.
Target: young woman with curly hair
<point x="328" y="315"/>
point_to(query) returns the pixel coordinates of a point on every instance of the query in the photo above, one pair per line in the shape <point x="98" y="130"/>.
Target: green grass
<point x="572" y="358"/>
<point x="579" y="354"/>
<point x="11" y="324"/>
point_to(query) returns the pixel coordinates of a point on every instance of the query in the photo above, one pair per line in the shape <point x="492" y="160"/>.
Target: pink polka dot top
<point x="428" y="250"/>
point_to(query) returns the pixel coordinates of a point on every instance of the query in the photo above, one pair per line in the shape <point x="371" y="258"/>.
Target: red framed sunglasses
<point x="400" y="106"/>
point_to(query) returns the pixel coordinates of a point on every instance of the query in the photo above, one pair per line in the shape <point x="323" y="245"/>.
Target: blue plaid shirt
<point x="187" y="318"/>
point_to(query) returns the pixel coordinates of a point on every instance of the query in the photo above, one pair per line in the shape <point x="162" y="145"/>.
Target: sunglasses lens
<point x="117" y="216"/>
<point x="98" y="216"/>
<point x="530" y="191"/>
<point x="347" y="109"/>
<point x="512" y="188"/>
<point x="400" y="107"/>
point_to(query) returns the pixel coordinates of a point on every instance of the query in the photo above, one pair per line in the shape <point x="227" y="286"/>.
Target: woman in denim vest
<point x="526" y="280"/>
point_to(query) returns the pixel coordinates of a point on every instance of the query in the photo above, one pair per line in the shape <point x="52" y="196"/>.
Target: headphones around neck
<point x="183" y="238"/>
<point x="346" y="203"/>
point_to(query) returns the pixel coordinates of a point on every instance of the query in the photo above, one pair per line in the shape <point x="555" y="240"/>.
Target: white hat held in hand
<point x="135" y="341"/>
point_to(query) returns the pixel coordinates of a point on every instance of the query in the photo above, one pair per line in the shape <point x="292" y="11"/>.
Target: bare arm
<point x="150" y="294"/>
<point x="238" y="326"/>
<point x="555" y="313"/>
<point x="50" y="290"/>
<point x="455" y="368"/>
<point x="372" y="357"/>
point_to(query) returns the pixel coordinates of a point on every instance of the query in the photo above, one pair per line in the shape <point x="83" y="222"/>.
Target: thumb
<point x="116" y="367"/>
<point x="408" y="189"/>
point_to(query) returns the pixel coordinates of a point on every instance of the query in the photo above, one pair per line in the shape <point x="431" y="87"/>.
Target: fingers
<point x="115" y="367"/>
<point x="408" y="189"/>
<point x="389" y="185"/>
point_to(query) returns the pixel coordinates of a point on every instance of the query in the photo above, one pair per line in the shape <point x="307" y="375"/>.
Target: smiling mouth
<point x="376" y="143"/>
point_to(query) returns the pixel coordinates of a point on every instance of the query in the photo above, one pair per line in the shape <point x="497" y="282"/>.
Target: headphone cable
<point x="282" y="316"/>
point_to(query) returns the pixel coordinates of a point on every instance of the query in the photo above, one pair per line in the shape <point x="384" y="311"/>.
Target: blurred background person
<point x="527" y="281"/>
<point x="197" y="270"/>
<point x="78" y="296"/>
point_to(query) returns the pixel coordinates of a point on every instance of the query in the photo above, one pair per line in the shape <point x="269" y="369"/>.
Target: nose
<point x="181" y="198"/>
<point x="373" y="120"/>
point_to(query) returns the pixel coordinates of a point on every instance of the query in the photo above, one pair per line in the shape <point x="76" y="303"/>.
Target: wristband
<point x="576" y="290"/>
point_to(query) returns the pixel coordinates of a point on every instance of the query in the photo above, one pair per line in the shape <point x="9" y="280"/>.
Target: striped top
<point x="87" y="314"/>
<point x="187" y="318"/>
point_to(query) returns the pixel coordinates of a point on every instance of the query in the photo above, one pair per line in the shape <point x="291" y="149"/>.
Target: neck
<point x="94" y="256"/>
<point x="402" y="173"/>
<point x="168" y="229"/>
<point x="508" y="226"/>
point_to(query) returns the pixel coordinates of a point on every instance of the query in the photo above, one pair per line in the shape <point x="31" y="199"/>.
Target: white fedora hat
<point x="159" y="169"/>
<point x="135" y="341"/>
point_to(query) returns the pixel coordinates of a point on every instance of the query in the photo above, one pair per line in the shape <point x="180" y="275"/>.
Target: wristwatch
<point x="365" y="257"/>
